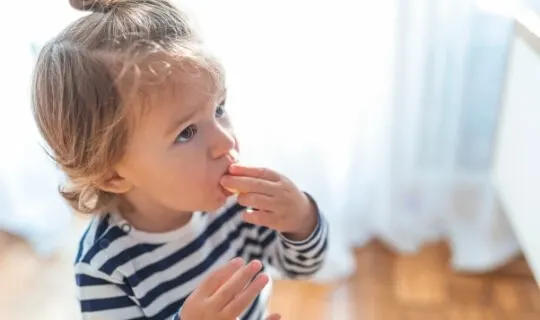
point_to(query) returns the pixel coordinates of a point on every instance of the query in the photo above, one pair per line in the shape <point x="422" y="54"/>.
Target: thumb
<point x="274" y="316"/>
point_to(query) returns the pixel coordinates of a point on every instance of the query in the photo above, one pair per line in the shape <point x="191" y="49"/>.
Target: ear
<point x="116" y="184"/>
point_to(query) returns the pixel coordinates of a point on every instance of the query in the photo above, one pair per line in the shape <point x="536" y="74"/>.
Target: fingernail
<point x="238" y="261"/>
<point x="264" y="278"/>
<point x="255" y="265"/>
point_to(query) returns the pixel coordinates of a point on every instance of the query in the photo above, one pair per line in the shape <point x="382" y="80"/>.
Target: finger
<point x="243" y="184"/>
<point x="261" y="218"/>
<point x="257" y="201"/>
<point x="246" y="297"/>
<point x="215" y="280"/>
<point x="235" y="284"/>
<point x="274" y="316"/>
<point x="254" y="172"/>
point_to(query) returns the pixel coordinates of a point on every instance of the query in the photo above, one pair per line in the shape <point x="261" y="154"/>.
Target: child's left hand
<point x="280" y="204"/>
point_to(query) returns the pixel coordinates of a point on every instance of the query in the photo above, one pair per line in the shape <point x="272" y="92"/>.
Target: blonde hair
<point x="85" y="78"/>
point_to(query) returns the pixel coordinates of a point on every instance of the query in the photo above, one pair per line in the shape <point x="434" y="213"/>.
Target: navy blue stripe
<point x="95" y="305"/>
<point x="255" y="243"/>
<point x="268" y="240"/>
<point x="294" y="263"/>
<point x="248" y="242"/>
<point x="261" y="230"/>
<point x="191" y="273"/>
<point x="84" y="280"/>
<point x="302" y="253"/>
<point x="185" y="251"/>
<point x="127" y="255"/>
<point x="321" y="251"/>
<point x="310" y="248"/>
<point x="102" y="227"/>
<point x="127" y="289"/>
<point x="81" y="243"/>
<point x="258" y="316"/>
<point x="308" y="268"/>
<point x="111" y="235"/>
<point x="313" y="235"/>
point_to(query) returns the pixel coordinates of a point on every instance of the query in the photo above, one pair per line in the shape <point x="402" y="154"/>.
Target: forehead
<point x="179" y="91"/>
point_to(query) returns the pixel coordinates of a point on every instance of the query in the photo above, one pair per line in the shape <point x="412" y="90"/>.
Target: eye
<point x="220" y="110"/>
<point x="186" y="135"/>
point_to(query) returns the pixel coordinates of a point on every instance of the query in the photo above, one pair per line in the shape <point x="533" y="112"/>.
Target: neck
<point x="153" y="218"/>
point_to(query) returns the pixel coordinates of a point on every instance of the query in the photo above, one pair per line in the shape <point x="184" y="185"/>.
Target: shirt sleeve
<point x="104" y="298"/>
<point x="293" y="259"/>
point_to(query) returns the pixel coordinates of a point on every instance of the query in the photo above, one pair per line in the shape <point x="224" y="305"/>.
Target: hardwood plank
<point x="385" y="286"/>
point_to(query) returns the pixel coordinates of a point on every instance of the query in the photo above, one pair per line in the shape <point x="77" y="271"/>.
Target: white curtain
<point x="383" y="110"/>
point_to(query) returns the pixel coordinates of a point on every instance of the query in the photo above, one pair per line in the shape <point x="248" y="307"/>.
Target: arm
<point x="295" y="259"/>
<point x="104" y="298"/>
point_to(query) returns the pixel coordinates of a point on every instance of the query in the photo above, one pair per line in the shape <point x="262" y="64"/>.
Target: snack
<point x="232" y="191"/>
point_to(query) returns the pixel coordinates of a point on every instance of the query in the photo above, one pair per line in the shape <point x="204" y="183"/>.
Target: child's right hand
<point x="226" y="293"/>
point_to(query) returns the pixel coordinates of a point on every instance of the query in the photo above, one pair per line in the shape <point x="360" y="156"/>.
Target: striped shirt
<point x="124" y="273"/>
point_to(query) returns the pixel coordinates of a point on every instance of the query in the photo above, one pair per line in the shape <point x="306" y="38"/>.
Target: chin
<point x="216" y="203"/>
<point x="214" y="200"/>
<point x="215" y="206"/>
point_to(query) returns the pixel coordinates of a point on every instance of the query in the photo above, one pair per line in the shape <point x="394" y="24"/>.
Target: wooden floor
<point x="385" y="287"/>
<point x="420" y="287"/>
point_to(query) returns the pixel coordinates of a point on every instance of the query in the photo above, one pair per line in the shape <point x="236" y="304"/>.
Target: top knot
<point x="93" y="5"/>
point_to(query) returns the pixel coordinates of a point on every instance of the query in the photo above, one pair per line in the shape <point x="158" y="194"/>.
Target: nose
<point x="223" y="141"/>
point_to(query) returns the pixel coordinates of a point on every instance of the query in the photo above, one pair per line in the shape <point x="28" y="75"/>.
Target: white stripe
<point x="88" y="269"/>
<point x="181" y="266"/>
<point x="88" y="240"/>
<point x="311" y="253"/>
<point x="297" y="247"/>
<point x="293" y="268"/>
<point x="99" y="292"/>
<point x="111" y="249"/>
<point x="166" y="250"/>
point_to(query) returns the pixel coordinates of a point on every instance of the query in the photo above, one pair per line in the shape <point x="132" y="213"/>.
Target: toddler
<point x="133" y="109"/>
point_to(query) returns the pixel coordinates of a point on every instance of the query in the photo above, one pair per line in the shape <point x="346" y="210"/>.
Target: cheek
<point x="184" y="171"/>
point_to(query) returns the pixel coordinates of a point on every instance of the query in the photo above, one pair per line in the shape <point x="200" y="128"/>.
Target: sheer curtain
<point x="383" y="110"/>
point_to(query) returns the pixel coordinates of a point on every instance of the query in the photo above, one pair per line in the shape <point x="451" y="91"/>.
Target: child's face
<point x="179" y="152"/>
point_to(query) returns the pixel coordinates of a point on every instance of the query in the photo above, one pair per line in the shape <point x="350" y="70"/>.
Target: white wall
<point x="517" y="160"/>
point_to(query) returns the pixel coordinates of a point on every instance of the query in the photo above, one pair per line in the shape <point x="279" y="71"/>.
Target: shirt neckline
<point x="193" y="227"/>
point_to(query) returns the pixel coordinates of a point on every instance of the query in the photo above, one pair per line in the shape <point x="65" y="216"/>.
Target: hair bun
<point x="93" y="5"/>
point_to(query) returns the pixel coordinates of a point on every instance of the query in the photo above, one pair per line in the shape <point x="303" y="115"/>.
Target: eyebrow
<point x="180" y="122"/>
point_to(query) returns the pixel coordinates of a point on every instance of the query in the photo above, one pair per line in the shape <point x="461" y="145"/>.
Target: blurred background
<point x="387" y="111"/>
